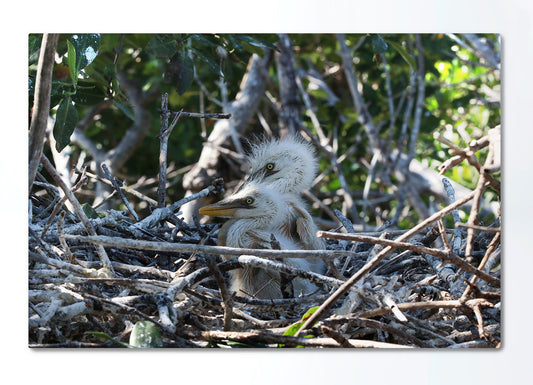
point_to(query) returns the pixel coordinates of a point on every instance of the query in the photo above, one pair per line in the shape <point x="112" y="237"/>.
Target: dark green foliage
<point x="66" y="119"/>
<point x="457" y="93"/>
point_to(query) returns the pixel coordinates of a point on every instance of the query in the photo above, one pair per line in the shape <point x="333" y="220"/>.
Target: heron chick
<point x="256" y="212"/>
<point x="289" y="165"/>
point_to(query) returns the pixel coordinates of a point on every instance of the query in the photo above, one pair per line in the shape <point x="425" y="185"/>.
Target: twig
<point x="226" y="299"/>
<point x="457" y="234"/>
<point x="443" y="255"/>
<point x="266" y="264"/>
<point x="127" y="189"/>
<point x="62" y="240"/>
<point x="287" y="341"/>
<point x="409" y="306"/>
<point x="370" y="323"/>
<point x="79" y="212"/>
<point x="62" y="265"/>
<point x="190" y="248"/>
<point x="290" y="118"/>
<point x="341" y="340"/>
<point x="370" y="265"/>
<point x="492" y="246"/>
<point x="164" y="213"/>
<point x="363" y="115"/>
<point x="468" y="154"/>
<point x="217" y="115"/>
<point x="479" y="228"/>
<point x="118" y="189"/>
<point x="41" y="104"/>
<point x="164" y="134"/>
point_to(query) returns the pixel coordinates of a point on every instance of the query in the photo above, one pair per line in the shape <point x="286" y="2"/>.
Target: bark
<point x="41" y="105"/>
<point x="211" y="165"/>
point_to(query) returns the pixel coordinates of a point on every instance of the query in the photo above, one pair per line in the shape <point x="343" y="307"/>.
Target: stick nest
<point x="410" y="298"/>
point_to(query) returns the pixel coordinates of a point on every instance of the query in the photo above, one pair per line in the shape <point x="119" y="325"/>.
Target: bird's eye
<point x="249" y="201"/>
<point x="270" y="166"/>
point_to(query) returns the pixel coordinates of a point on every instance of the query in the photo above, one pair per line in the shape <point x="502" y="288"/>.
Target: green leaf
<point x="180" y="70"/>
<point x="162" y="46"/>
<point x="72" y="62"/>
<point x="210" y="59"/>
<point x="66" y="120"/>
<point x="34" y="47"/>
<point x="293" y="329"/>
<point x="125" y="109"/>
<point x="87" y="46"/>
<point x="145" y="334"/>
<point x="257" y="41"/>
<point x="89" y="211"/>
<point x="105" y="336"/>
<point x="378" y="44"/>
<point x="405" y="55"/>
<point x="88" y="94"/>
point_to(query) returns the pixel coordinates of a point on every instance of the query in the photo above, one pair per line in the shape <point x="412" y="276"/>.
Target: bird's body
<point x="257" y="212"/>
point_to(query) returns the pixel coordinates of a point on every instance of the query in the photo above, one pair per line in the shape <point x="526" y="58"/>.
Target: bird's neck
<point x="234" y="232"/>
<point x="223" y="232"/>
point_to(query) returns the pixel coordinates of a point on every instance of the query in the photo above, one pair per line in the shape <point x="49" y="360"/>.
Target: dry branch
<point x="41" y="106"/>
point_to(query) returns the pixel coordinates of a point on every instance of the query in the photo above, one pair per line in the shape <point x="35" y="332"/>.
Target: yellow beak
<point x="220" y="209"/>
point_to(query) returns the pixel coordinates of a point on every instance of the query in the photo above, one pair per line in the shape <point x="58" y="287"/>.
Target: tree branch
<point x="41" y="104"/>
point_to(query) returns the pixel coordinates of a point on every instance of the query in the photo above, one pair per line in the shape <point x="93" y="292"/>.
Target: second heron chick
<point x="256" y="212"/>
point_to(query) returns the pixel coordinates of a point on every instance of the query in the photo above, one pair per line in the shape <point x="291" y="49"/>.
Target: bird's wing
<point x="256" y="239"/>
<point x="306" y="229"/>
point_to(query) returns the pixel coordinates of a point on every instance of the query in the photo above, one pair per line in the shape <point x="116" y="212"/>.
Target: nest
<point x="94" y="276"/>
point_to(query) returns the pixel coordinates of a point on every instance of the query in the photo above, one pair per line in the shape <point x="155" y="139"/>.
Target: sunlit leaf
<point x="86" y="46"/>
<point x="145" y="334"/>
<point x="293" y="329"/>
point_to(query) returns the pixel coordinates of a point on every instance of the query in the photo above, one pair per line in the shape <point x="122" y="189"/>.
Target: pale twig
<point x="41" y="104"/>
<point x="370" y="265"/>
<point x="164" y="134"/>
<point x="190" y="248"/>
<point x="128" y="189"/>
<point x="287" y="341"/>
<point x="79" y="212"/>
<point x="267" y="264"/>
<point x="492" y="246"/>
<point x="40" y="257"/>
<point x="409" y="306"/>
<point x="341" y="340"/>
<point x="466" y="154"/>
<point x="216" y="115"/>
<point x="363" y="115"/>
<point x="479" y="228"/>
<point x="118" y="189"/>
<point x="62" y="241"/>
<point x="370" y="323"/>
<point x="443" y="255"/>
<point x="163" y="213"/>
<point x="226" y="298"/>
<point x="457" y="234"/>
